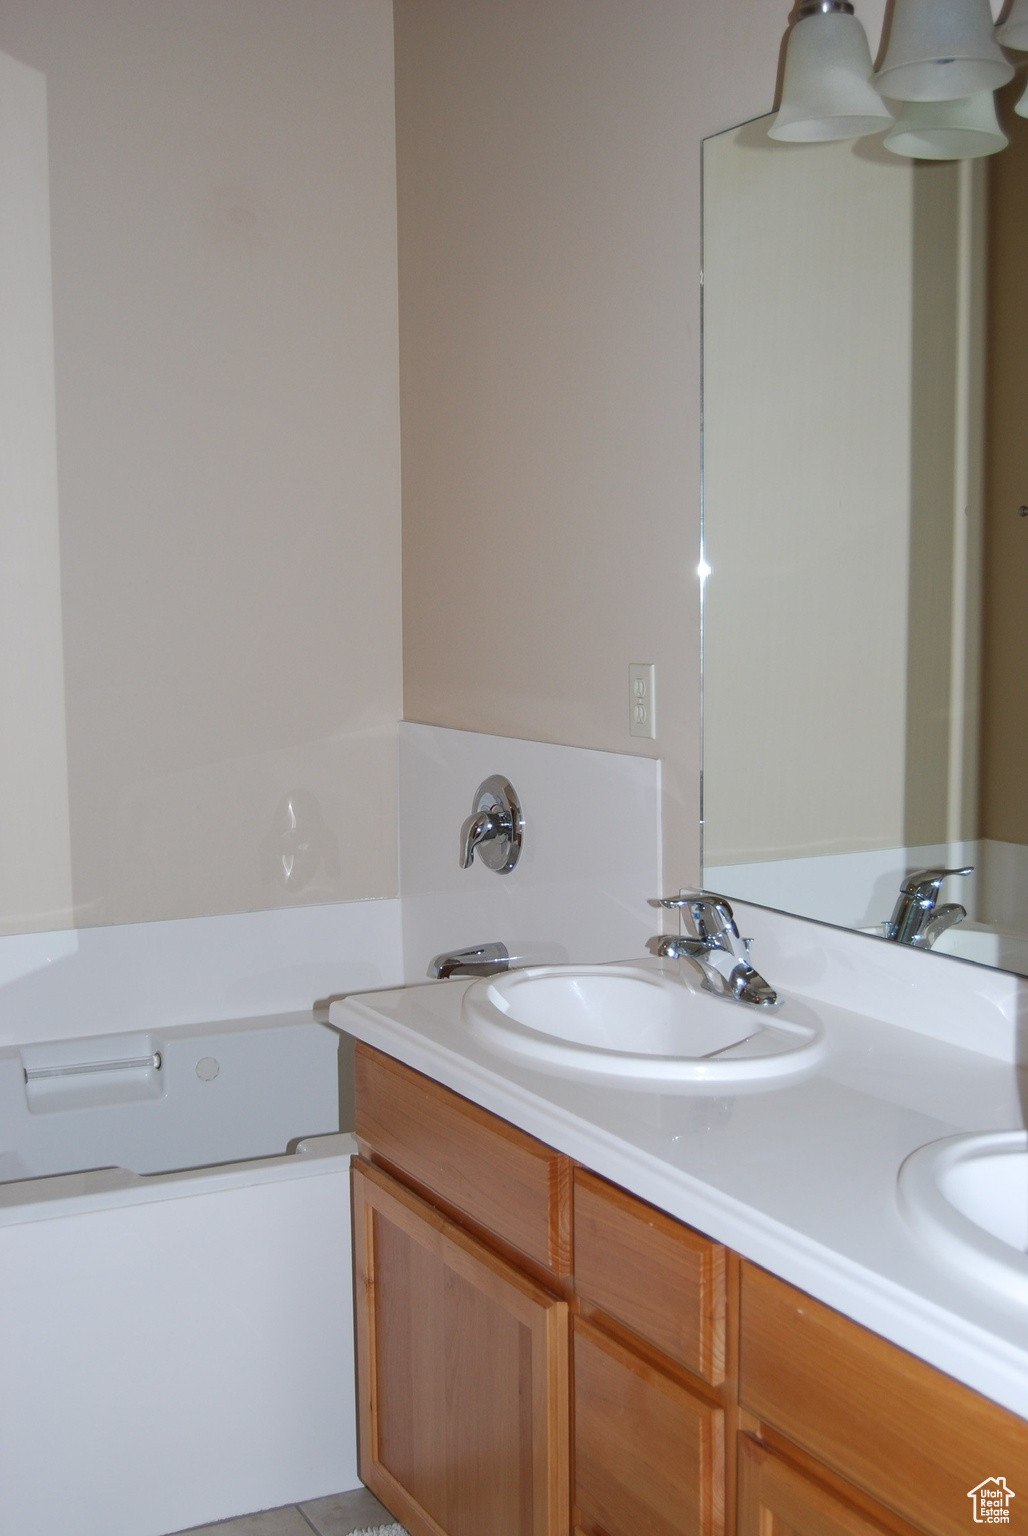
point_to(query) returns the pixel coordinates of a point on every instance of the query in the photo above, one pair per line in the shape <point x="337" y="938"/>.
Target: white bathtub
<point x="175" y="1346"/>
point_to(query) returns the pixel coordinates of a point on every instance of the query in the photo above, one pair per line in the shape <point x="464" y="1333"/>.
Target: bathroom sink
<point x="966" y="1199"/>
<point x="644" y="1027"/>
<point x="987" y="945"/>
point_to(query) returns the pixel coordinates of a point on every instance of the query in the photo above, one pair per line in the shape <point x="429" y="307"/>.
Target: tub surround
<point x="180" y="1337"/>
<point x="192" y="1371"/>
<point x="196" y="1096"/>
<point x="589" y="864"/>
<point x="99" y="981"/>
<point x="799" y="1179"/>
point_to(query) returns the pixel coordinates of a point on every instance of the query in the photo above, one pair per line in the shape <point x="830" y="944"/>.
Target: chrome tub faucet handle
<point x="495" y="829"/>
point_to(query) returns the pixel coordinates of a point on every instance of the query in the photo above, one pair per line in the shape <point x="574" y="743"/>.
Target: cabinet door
<point x="462" y="1367"/>
<point x="914" y="1440"/>
<point x="649" y="1454"/>
<point x="651" y="1274"/>
<point x="777" y="1500"/>
<point x="511" y="1186"/>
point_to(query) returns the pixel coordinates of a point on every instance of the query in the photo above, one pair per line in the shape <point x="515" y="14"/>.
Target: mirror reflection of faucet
<point x="917" y="919"/>
<point x="717" y="948"/>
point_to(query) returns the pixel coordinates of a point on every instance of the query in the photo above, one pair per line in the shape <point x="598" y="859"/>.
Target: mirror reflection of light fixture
<point x="827" y="91"/>
<point x="940" y="50"/>
<point x="948" y="130"/>
<point x="1013" y="33"/>
<point x="941" y="54"/>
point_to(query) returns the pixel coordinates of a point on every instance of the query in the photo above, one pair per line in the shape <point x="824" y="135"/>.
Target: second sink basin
<point x="966" y="1198"/>
<point x="643" y="1026"/>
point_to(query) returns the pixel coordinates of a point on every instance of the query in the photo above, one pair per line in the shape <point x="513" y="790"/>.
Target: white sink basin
<point x="643" y="1026"/>
<point x="966" y="1198"/>
<point x="987" y="945"/>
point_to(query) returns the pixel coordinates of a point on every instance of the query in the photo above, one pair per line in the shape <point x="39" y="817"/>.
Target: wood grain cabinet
<point x="777" y="1499"/>
<point x="649" y="1452"/>
<point x="888" y="1432"/>
<point x="463" y="1374"/>
<point x="649" y="1365"/>
<point x="541" y="1353"/>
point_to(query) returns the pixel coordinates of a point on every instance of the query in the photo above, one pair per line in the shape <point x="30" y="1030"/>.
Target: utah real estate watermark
<point x="991" y="1501"/>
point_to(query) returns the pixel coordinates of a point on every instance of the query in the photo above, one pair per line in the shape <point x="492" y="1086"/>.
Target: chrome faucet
<point x="917" y="919"/>
<point x="479" y="960"/>
<point x="495" y="828"/>
<point x="718" y="950"/>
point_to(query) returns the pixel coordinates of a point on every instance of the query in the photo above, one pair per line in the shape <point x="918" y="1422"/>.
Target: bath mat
<point x="381" y="1530"/>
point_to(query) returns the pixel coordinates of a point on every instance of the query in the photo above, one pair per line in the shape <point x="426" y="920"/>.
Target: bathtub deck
<point x="335" y="1516"/>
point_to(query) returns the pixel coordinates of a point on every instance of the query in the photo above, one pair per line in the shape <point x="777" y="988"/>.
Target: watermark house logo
<point x="991" y="1501"/>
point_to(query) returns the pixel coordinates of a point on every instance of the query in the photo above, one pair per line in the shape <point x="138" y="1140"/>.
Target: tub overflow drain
<point x="207" y="1069"/>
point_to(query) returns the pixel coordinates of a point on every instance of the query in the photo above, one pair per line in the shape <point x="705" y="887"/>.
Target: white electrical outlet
<point x="642" y="716"/>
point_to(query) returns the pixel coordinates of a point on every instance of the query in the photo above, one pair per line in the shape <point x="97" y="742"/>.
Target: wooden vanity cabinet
<point x="461" y="1237"/>
<point x="540" y="1352"/>
<point x="777" y="1498"/>
<point x="886" y="1434"/>
<point x="471" y="1323"/>
<point x="493" y="1178"/>
<point x="463" y="1370"/>
<point x="650" y="1433"/>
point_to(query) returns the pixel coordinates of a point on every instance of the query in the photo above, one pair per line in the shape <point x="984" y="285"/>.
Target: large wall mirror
<point x="866" y="532"/>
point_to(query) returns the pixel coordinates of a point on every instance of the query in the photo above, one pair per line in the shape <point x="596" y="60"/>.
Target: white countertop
<point x="799" y="1178"/>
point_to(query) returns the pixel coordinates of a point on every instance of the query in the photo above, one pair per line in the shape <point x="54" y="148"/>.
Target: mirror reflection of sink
<point x="966" y="1198"/>
<point x="986" y="945"/>
<point x="644" y="1027"/>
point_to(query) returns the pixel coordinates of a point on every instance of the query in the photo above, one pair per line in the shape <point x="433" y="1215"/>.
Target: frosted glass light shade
<point x="827" y="91"/>
<point x="1022" y="106"/>
<point x="940" y="50"/>
<point x="948" y="130"/>
<point x="1014" y="31"/>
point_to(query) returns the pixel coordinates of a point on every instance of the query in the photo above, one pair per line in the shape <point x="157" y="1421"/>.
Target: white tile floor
<point x="337" y="1515"/>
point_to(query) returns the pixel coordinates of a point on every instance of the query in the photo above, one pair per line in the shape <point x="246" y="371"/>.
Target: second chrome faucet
<point x="917" y="919"/>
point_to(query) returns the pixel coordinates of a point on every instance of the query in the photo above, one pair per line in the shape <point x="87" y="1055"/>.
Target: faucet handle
<point x="711" y="914"/>
<point x="495" y="828"/>
<point x="479" y="828"/>
<point x="924" y="884"/>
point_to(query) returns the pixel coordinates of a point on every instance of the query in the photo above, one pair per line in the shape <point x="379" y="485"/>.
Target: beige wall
<point x="35" y="845"/>
<point x="223" y="236"/>
<point x="223" y="277"/>
<point x="549" y="219"/>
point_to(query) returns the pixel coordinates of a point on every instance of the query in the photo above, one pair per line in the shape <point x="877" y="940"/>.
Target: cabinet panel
<point x="463" y="1374"/>
<point x="651" y="1273"/>
<point x="503" y="1179"/>
<point x="777" y="1500"/>
<point x="914" y="1439"/>
<point x="649" y="1455"/>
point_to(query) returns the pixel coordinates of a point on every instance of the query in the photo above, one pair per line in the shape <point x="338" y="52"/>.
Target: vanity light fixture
<point x="1013" y="33"/>
<point x="827" y="91"/>
<point x="940" y="50"/>
<point x="948" y="130"/>
<point x="942" y="63"/>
